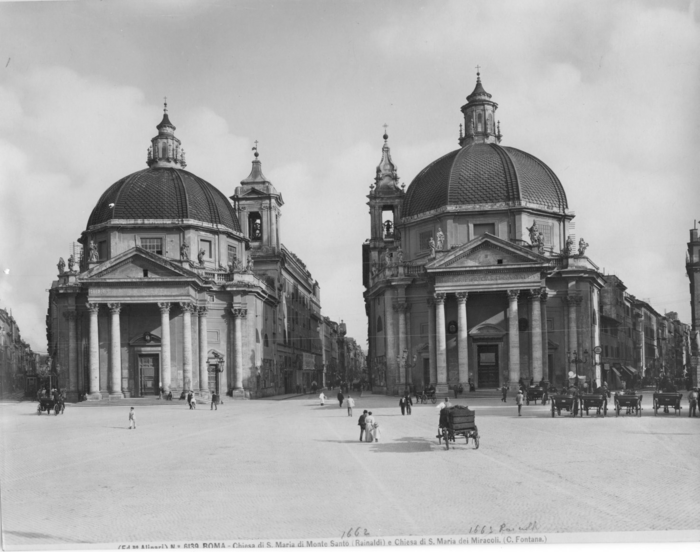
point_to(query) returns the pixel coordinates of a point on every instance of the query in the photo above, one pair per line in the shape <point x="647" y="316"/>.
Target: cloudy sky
<point x="604" y="92"/>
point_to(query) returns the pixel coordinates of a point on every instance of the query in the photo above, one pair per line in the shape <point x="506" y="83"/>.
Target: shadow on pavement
<point x="40" y="536"/>
<point x="405" y="444"/>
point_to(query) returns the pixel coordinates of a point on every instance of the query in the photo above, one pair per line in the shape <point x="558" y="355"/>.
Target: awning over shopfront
<point x="631" y="371"/>
<point x="617" y="373"/>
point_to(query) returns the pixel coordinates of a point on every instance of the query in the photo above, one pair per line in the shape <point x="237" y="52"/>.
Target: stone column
<point x="203" y="374"/>
<point x="462" y="339"/>
<point x="72" y="387"/>
<point x="166" y="377"/>
<point x="573" y="301"/>
<point x="432" y="350"/>
<point x="401" y="308"/>
<point x="238" y="314"/>
<point x="391" y="353"/>
<point x="536" y="334"/>
<point x="544" y="339"/>
<point x="441" y="344"/>
<point x="513" y="339"/>
<point x="187" y="309"/>
<point x="94" y="353"/>
<point x="115" y="357"/>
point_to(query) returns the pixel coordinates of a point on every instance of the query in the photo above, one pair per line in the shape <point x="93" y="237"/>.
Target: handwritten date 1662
<point x="355" y="532"/>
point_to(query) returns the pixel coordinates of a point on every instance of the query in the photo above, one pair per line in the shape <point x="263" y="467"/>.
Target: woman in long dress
<point x="322" y="398"/>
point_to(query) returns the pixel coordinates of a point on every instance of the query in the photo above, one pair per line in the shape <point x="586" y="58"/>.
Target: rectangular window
<point x="102" y="249"/>
<point x="154" y="245"/>
<point x="550" y="324"/>
<point x="424" y="330"/>
<point x="546" y="230"/>
<point x="424" y="240"/>
<point x="231" y="254"/>
<point x="481" y="229"/>
<point x="207" y="246"/>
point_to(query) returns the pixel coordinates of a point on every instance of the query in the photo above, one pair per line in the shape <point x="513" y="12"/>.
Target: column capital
<point x="544" y="295"/>
<point x="462" y="296"/>
<point x="187" y="307"/>
<point x="202" y="311"/>
<point x="573" y="300"/>
<point x="439" y="298"/>
<point x="513" y="294"/>
<point x="239" y="312"/>
<point x="401" y="306"/>
<point x="114" y="308"/>
<point x="69" y="315"/>
<point x="536" y="293"/>
<point x="164" y="307"/>
<point x="93" y="307"/>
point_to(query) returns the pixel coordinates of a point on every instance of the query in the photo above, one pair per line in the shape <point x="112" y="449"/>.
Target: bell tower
<point x="257" y="204"/>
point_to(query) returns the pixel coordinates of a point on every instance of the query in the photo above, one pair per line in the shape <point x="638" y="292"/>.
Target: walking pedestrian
<point x="351" y="404"/>
<point x="369" y="426"/>
<point x="189" y="399"/>
<point x="362" y="424"/>
<point x="504" y="392"/>
<point x="402" y="404"/>
<point x="193" y="403"/>
<point x="409" y="403"/>
<point x="519" y="400"/>
<point x="692" y="403"/>
<point x="341" y="398"/>
<point x="322" y="398"/>
<point x="132" y="418"/>
<point x="214" y="401"/>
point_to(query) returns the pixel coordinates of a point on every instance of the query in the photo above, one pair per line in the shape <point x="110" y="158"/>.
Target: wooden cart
<point x="564" y="402"/>
<point x="668" y="400"/>
<point x="534" y="394"/>
<point x="47" y="404"/>
<point x="460" y="421"/>
<point x="593" y="400"/>
<point x="629" y="400"/>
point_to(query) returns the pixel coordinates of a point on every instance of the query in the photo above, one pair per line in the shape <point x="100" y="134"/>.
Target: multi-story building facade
<point x="692" y="265"/>
<point x="19" y="365"/>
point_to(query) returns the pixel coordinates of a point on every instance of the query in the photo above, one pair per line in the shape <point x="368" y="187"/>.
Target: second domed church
<point x="472" y="274"/>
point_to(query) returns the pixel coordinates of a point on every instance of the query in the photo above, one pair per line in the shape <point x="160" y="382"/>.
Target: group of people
<point x="369" y="428"/>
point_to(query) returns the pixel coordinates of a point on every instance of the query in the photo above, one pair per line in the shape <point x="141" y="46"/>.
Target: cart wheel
<point x="639" y="410"/>
<point x="38" y="410"/>
<point x="552" y="410"/>
<point x="476" y="442"/>
<point x="446" y="438"/>
<point x="617" y="410"/>
<point x="656" y="408"/>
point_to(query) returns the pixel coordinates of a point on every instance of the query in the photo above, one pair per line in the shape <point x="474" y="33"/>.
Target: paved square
<point x="292" y="469"/>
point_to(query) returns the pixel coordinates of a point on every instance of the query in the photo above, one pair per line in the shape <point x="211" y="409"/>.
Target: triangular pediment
<point x="486" y="251"/>
<point x="136" y="263"/>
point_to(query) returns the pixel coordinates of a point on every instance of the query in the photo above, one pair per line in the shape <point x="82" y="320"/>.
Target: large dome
<point x="483" y="173"/>
<point x="164" y="194"/>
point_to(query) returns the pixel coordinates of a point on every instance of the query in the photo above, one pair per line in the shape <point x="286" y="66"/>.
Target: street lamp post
<point x="576" y="360"/>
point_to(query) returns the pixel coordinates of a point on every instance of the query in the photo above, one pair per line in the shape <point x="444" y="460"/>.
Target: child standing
<point x="132" y="418"/>
<point x="519" y="400"/>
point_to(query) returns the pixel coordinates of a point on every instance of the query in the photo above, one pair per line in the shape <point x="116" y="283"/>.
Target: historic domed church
<point x="473" y="272"/>
<point x="174" y="293"/>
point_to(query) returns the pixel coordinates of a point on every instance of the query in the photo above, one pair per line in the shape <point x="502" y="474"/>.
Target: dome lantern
<point x="480" y="117"/>
<point x="166" y="149"/>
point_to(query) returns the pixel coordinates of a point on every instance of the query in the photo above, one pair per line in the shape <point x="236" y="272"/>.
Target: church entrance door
<point x="148" y="375"/>
<point x="488" y="366"/>
<point x="214" y="378"/>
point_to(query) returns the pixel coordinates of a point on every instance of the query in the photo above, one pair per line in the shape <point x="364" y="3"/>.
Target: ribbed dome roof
<point x="482" y="173"/>
<point x="164" y="193"/>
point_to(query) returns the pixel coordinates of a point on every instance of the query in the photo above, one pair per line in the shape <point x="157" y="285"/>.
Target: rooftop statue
<point x="185" y="251"/>
<point x="440" y="239"/>
<point x="582" y="246"/>
<point x="61" y="266"/>
<point x="94" y="256"/>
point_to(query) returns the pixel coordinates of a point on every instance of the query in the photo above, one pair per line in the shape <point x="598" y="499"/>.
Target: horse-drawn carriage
<point x="668" y="400"/>
<point x="564" y="401"/>
<point x="457" y="420"/>
<point x="48" y="404"/>
<point x="426" y="395"/>
<point x="593" y="400"/>
<point x="629" y="400"/>
<point x="534" y="394"/>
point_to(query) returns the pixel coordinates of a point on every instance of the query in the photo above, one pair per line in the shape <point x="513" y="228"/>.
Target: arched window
<point x="255" y="226"/>
<point x="479" y="121"/>
<point x="380" y="327"/>
<point x="489" y="123"/>
<point x="163" y="150"/>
